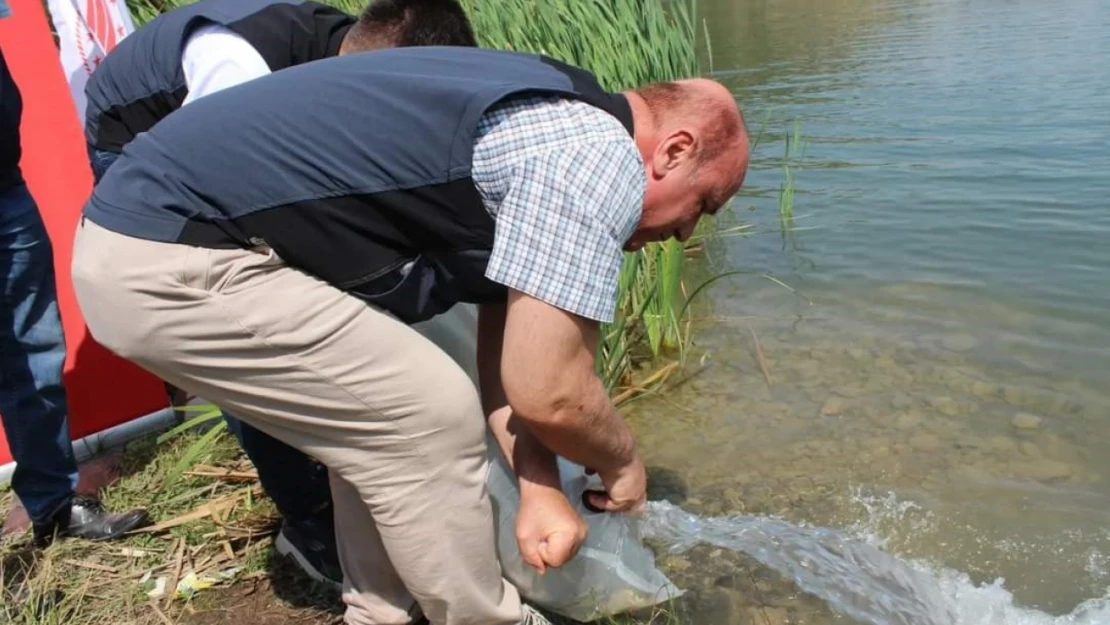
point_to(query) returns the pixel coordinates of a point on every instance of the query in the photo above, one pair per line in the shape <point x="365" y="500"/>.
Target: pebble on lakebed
<point x="1043" y="470"/>
<point x="1026" y="421"/>
<point x="945" y="405"/>
<point x="959" y="342"/>
<point x="833" y="406"/>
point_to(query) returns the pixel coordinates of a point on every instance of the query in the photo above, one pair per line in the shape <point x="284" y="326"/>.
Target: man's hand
<point x="625" y="489"/>
<point x="548" y="529"/>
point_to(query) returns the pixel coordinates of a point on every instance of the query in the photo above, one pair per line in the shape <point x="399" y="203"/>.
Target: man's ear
<point x="673" y="151"/>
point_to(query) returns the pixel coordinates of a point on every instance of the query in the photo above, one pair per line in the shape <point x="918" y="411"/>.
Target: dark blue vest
<point x="355" y="169"/>
<point x="141" y="80"/>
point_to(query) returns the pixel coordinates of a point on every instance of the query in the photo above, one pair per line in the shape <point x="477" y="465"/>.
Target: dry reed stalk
<point x="759" y="356"/>
<point x="659" y="377"/>
<point x="171" y="585"/>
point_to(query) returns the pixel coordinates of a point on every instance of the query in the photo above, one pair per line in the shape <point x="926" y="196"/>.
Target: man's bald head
<point x="692" y="138"/>
<point x="702" y="102"/>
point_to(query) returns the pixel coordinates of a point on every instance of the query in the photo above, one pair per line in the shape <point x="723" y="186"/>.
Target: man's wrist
<point x="541" y="488"/>
<point x="537" y="470"/>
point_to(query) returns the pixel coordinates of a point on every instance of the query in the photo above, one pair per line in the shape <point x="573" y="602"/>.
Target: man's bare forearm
<point x="547" y="370"/>
<point x="589" y="432"/>
<point x="533" y="464"/>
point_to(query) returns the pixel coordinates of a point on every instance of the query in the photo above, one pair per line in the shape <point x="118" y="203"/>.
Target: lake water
<point x="939" y="357"/>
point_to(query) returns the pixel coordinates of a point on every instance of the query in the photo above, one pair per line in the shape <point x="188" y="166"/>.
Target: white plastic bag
<point x="456" y="333"/>
<point x="613" y="572"/>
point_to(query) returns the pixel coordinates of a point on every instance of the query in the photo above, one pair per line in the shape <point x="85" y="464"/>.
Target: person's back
<point x="141" y="81"/>
<point x="145" y="77"/>
<point x="348" y="169"/>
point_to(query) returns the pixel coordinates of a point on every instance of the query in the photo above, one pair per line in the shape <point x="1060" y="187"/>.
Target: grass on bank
<point x="210" y="519"/>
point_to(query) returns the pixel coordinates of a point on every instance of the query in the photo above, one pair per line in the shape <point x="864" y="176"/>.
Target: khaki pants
<point x="397" y="422"/>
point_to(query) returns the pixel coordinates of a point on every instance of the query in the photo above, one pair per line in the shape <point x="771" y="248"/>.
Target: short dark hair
<point x="400" y="23"/>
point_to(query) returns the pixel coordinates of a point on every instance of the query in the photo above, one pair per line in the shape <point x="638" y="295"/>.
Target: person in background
<point x="32" y="354"/>
<point x="211" y="45"/>
<point x="325" y="209"/>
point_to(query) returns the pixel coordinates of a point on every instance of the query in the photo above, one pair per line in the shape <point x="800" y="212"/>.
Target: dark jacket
<point x="11" y="113"/>
<point x="141" y="80"/>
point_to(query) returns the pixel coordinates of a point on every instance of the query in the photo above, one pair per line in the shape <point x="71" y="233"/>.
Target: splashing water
<point x="855" y="578"/>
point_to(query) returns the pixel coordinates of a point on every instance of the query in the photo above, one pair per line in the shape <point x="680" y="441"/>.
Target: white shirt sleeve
<point x="216" y="58"/>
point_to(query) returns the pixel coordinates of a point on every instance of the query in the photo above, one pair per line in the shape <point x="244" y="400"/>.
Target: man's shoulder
<point x="552" y="111"/>
<point x="536" y="124"/>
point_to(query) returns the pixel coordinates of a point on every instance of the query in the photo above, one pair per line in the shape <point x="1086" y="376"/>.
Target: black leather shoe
<point x="85" y="517"/>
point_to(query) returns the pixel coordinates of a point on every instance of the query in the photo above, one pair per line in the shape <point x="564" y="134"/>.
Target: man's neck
<point x="643" y="124"/>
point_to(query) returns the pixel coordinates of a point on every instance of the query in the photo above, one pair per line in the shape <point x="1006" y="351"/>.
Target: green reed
<point x="793" y="153"/>
<point x="625" y="43"/>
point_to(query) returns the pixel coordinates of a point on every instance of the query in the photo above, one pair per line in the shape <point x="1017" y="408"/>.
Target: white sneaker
<point x="532" y="616"/>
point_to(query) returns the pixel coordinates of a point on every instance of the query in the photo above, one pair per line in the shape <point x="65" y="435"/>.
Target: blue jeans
<point x="297" y="484"/>
<point x="32" y="355"/>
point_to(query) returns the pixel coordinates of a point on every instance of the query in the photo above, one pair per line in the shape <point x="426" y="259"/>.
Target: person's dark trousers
<point x="297" y="484"/>
<point x="32" y="355"/>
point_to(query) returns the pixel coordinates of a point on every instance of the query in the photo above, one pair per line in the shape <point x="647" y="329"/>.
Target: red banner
<point x="103" y="390"/>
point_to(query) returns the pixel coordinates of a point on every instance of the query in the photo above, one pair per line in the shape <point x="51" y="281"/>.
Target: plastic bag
<point x="456" y="333"/>
<point x="613" y="571"/>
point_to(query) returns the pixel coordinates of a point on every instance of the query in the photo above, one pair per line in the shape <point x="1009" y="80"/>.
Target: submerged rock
<point x="674" y="563"/>
<point x="959" y="342"/>
<point x="908" y="421"/>
<point x="925" y="442"/>
<point x="833" y="406"/>
<point x="973" y="443"/>
<point x="970" y="473"/>
<point x="1055" y="446"/>
<point x="1031" y="450"/>
<point x="718" y="606"/>
<point x="1044" y="470"/>
<point x="1015" y="395"/>
<point x="984" y="390"/>
<point x="859" y="354"/>
<point x="849" y="391"/>
<point x="1026" y="421"/>
<point x="901" y="401"/>
<point x="1004" y="445"/>
<point x="945" y="405"/>
<point x="814" y="392"/>
<point x="768" y="615"/>
<point x="886" y="362"/>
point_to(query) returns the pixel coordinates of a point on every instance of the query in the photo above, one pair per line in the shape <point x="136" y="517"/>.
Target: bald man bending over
<point x="268" y="246"/>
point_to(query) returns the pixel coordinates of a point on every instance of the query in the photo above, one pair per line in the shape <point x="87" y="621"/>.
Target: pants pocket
<point x="228" y="271"/>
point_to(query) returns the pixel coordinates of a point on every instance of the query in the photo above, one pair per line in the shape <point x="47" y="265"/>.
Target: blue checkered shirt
<point x="565" y="183"/>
